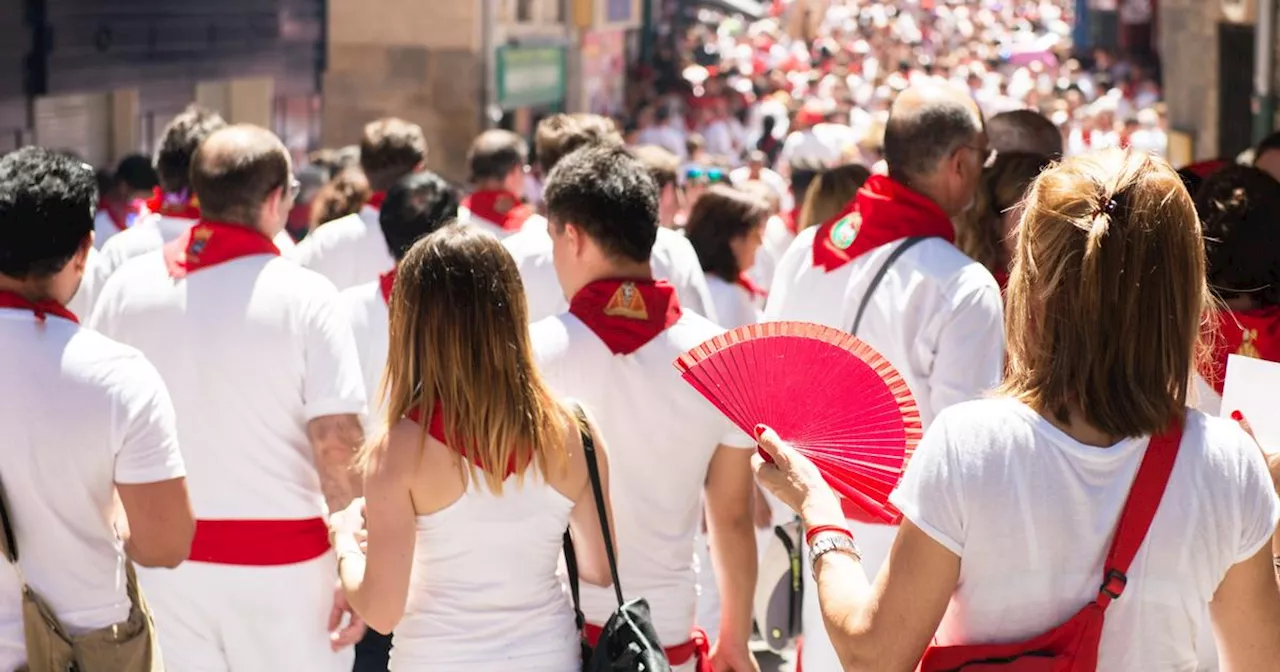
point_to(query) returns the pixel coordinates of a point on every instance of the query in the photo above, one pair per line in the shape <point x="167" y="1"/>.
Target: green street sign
<point x="530" y="76"/>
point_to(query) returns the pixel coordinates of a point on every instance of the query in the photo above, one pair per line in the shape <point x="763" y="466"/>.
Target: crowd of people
<point x="351" y="416"/>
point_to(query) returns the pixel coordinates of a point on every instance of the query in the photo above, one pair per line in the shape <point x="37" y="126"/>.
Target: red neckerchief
<point x="377" y="199"/>
<point x="120" y="218"/>
<point x="756" y="291"/>
<point x="210" y="243"/>
<point x="436" y="431"/>
<point x="177" y="206"/>
<point x="626" y="314"/>
<point x="883" y="211"/>
<point x="41" y="309"/>
<point x="499" y="207"/>
<point x="789" y="218"/>
<point x="1252" y="333"/>
<point x="387" y="282"/>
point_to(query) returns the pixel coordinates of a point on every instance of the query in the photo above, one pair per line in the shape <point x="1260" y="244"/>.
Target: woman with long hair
<point x="343" y="195"/>
<point x="726" y="228"/>
<point x="1011" y="503"/>
<point x="986" y="230"/>
<point x="479" y="473"/>
<point x="830" y="193"/>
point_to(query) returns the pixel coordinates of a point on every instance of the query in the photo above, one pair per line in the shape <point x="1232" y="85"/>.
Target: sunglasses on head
<point x="700" y="174"/>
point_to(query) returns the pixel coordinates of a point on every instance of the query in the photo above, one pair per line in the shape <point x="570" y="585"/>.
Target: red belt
<point x="697" y="647"/>
<point x="259" y="543"/>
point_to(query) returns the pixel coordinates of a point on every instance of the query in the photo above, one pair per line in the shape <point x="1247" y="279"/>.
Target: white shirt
<point x="81" y="304"/>
<point x="673" y="259"/>
<point x="252" y="349"/>
<point x="104" y="227"/>
<point x="367" y="312"/>
<point x="937" y="315"/>
<point x="349" y="251"/>
<point x="735" y="306"/>
<point x="777" y="238"/>
<point x="821" y="145"/>
<point x="80" y="414"/>
<point x="667" y="137"/>
<point x="662" y="435"/>
<point x="1032" y="512"/>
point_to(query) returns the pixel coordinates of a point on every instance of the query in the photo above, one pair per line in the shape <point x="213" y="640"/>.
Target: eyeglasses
<point x="697" y="173"/>
<point x="986" y="155"/>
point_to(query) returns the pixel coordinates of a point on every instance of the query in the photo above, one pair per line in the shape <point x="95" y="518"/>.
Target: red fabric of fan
<point x="831" y="396"/>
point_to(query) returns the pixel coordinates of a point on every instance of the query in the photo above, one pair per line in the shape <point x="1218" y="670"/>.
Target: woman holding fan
<point x="1010" y="504"/>
<point x="471" y="489"/>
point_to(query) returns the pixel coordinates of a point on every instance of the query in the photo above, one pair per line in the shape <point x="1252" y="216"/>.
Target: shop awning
<point x="752" y="9"/>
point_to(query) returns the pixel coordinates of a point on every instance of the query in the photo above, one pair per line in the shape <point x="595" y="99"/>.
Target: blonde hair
<point x="1002" y="187"/>
<point x="829" y="193"/>
<point x="459" y="344"/>
<point x="1107" y="298"/>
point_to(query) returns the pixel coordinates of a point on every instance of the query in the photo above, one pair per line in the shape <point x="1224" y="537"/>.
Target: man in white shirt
<point x="351" y="251"/>
<point x="673" y="257"/>
<point x="266" y="381"/>
<point x="85" y="419"/>
<point x="664" y="133"/>
<point x="936" y="315"/>
<point x="498" y="160"/>
<point x="613" y="350"/>
<point x="120" y="197"/>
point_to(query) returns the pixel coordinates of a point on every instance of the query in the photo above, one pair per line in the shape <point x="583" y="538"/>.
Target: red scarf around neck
<point x="626" y="314"/>
<point x="884" y="211"/>
<point x="211" y="243"/>
<point x="1252" y="333"/>
<point x="499" y="207"/>
<point x="181" y="205"/>
<point x="377" y="199"/>
<point x="386" y="283"/>
<point x="41" y="309"/>
<point x="756" y="291"/>
<point x="119" y="217"/>
<point x="436" y="431"/>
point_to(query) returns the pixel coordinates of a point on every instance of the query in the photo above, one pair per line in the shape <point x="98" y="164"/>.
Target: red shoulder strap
<point x="1139" y="510"/>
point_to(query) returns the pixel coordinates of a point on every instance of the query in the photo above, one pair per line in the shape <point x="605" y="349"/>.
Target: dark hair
<point x="605" y="192"/>
<point x="344" y="195"/>
<point x="722" y="214"/>
<point x="47" y="205"/>
<point x="917" y="141"/>
<point x="802" y="175"/>
<point x="663" y="166"/>
<point x="390" y="149"/>
<point x="1271" y="142"/>
<point x="135" y="170"/>
<point x="1002" y="187"/>
<point x="181" y="139"/>
<point x="334" y="161"/>
<point x="1238" y="207"/>
<point x="661" y="114"/>
<point x="235" y="169"/>
<point x="1024" y="131"/>
<point x="417" y="206"/>
<point x="559" y="135"/>
<point x="495" y="153"/>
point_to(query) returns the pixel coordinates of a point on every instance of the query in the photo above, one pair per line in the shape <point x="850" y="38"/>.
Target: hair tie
<point x="1106" y="206"/>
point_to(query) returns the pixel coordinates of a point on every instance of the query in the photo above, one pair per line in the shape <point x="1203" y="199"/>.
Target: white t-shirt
<point x="104" y="227"/>
<point x="821" y="145"/>
<point x="777" y="238"/>
<point x="1032" y="512"/>
<point x="937" y="315"/>
<point x="370" y="322"/>
<point x="661" y="436"/>
<point x="252" y="349"/>
<point x="349" y="251"/>
<point x="81" y="304"/>
<point x="673" y="259"/>
<point x="81" y="413"/>
<point x="734" y="304"/>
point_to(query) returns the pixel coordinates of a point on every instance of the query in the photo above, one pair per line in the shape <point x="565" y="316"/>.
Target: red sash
<point x="500" y="208"/>
<point x="1252" y="333"/>
<point x="698" y="647"/>
<point x="211" y="243"/>
<point x="41" y="309"/>
<point x="377" y="199"/>
<point x="626" y="314"/>
<point x="120" y="219"/>
<point x="259" y="543"/>
<point x="386" y="283"/>
<point x="436" y="431"/>
<point x="181" y="205"/>
<point x="883" y="211"/>
<point x="756" y="291"/>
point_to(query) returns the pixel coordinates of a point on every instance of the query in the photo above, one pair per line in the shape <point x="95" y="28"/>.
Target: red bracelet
<point x="815" y="531"/>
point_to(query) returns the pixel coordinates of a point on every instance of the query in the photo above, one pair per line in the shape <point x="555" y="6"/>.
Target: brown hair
<point x="344" y="195"/>
<point x="390" y="149"/>
<point x="1107" y="297"/>
<point x="829" y="193"/>
<point x="560" y="134"/>
<point x="1002" y="187"/>
<point x="721" y="215"/>
<point x="178" y="144"/>
<point x="459" y="338"/>
<point x="235" y="169"/>
<point x="495" y="153"/>
<point x="662" y="164"/>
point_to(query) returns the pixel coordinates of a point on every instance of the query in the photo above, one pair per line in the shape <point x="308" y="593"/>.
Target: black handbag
<point x="628" y="642"/>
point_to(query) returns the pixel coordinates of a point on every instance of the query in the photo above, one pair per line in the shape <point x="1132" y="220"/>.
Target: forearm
<point x="335" y="440"/>
<point x="733" y="549"/>
<point x="843" y="595"/>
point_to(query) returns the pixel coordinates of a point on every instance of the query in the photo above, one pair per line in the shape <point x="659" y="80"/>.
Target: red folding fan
<point x="828" y="394"/>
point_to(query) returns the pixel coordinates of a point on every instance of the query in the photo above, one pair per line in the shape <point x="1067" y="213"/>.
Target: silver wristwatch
<point x="833" y="541"/>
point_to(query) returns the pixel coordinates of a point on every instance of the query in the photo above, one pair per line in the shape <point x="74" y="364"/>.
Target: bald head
<point x="927" y="123"/>
<point x="1024" y="132"/>
<point x="236" y="170"/>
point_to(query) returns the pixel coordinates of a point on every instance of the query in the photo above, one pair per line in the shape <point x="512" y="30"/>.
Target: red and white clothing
<point x="1250" y="333"/>
<point x="613" y="351"/>
<point x="349" y="251"/>
<point x="737" y="303"/>
<point x="81" y="413"/>
<point x="673" y="259"/>
<point x="253" y="347"/>
<point x="937" y="316"/>
<point x="778" y="237"/>
<point x="497" y="211"/>
<point x="366" y="309"/>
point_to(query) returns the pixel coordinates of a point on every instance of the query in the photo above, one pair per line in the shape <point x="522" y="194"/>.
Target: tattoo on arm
<point x="335" y="440"/>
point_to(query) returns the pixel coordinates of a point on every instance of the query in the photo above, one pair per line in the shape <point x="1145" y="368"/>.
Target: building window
<point x="524" y="11"/>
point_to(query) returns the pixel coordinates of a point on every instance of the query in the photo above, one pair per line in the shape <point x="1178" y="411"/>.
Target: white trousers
<point x="228" y="618"/>
<point x="819" y="655"/>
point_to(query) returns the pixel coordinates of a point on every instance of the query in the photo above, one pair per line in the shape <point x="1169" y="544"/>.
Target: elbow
<point x="166" y="548"/>
<point x="599" y="577"/>
<point x="382" y="622"/>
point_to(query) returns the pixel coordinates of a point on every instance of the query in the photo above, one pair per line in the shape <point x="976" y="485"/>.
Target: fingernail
<point x="760" y="430"/>
<point x="1237" y="416"/>
<point x="764" y="456"/>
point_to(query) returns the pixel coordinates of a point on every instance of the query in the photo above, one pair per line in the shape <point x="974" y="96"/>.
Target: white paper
<point x="1251" y="388"/>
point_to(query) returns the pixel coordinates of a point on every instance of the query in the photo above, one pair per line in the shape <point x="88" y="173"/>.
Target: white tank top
<point x="483" y="594"/>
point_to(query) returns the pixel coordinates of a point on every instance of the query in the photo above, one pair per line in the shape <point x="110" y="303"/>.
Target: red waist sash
<point x="696" y="648"/>
<point x="259" y="543"/>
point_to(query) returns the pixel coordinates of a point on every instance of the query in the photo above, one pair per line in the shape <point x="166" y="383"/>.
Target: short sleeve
<point x="1259" y="505"/>
<point x="930" y="494"/>
<point x="334" y="383"/>
<point x="148" y="451"/>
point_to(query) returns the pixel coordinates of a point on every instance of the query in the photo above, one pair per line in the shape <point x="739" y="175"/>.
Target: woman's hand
<point x="347" y="528"/>
<point x="795" y="480"/>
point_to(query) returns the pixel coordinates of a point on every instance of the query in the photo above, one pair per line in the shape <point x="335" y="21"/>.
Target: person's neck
<point x="27" y="289"/>
<point x="491" y="185"/>
<point x="621" y="270"/>
<point x="1081" y="430"/>
<point x="925" y="187"/>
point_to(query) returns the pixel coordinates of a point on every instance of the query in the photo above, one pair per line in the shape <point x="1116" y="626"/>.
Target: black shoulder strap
<point x="570" y="556"/>
<point x="8" y="540"/>
<point x="879" y="276"/>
